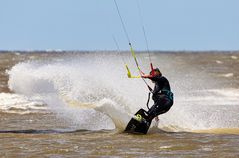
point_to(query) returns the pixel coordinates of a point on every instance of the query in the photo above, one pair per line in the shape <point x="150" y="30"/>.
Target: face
<point x="157" y="73"/>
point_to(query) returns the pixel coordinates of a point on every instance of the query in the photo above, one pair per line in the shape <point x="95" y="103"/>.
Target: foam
<point x="100" y="79"/>
<point x="86" y="80"/>
<point x="227" y="75"/>
<point x="219" y="131"/>
<point x="219" y="62"/>
<point x="234" y="57"/>
<point x="20" y="104"/>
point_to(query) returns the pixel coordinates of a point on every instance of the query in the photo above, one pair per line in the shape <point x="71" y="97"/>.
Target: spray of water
<point x="93" y="91"/>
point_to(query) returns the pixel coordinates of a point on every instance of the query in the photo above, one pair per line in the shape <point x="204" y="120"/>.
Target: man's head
<point x="156" y="72"/>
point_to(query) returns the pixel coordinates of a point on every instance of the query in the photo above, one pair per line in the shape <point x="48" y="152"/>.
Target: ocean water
<point x="77" y="104"/>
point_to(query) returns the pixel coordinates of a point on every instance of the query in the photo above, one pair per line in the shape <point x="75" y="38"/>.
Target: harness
<point x="168" y="93"/>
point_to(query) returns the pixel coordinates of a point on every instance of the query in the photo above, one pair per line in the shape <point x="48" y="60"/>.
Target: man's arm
<point x="147" y="76"/>
<point x="156" y="89"/>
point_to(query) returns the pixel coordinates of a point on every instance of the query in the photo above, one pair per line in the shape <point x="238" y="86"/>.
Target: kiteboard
<point x="139" y="124"/>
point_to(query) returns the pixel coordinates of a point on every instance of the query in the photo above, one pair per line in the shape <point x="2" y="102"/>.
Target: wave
<point x="219" y="131"/>
<point x="20" y="104"/>
<point x="105" y="98"/>
<point x="47" y="131"/>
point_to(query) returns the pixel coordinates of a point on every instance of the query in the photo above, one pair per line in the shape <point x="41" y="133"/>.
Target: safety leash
<point x="148" y="100"/>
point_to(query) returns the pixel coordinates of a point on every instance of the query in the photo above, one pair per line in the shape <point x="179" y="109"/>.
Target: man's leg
<point x="160" y="107"/>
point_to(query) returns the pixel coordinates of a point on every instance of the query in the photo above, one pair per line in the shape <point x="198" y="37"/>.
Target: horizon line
<point x="108" y="50"/>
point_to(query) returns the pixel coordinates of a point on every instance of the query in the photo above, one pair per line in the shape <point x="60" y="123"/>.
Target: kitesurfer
<point x="162" y="95"/>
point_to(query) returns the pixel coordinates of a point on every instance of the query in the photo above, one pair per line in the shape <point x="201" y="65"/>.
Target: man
<point x="162" y="95"/>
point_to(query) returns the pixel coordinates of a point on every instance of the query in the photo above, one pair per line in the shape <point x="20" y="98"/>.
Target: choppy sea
<point x="77" y="104"/>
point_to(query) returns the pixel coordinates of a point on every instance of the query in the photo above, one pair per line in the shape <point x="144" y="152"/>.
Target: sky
<point x="92" y="24"/>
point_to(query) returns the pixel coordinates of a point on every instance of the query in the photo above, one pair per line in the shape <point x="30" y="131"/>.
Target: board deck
<point x="139" y="124"/>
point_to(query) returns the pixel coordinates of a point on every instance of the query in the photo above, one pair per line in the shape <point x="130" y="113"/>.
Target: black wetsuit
<point x="162" y="96"/>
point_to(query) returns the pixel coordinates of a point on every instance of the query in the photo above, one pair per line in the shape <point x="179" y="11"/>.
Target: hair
<point x="156" y="70"/>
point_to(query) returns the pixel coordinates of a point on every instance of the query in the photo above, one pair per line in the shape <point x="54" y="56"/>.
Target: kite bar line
<point x="145" y="37"/>
<point x="131" y="49"/>
<point x="118" y="49"/>
<point x="135" y="59"/>
<point x="126" y="66"/>
<point x="122" y="22"/>
<point x="137" y="64"/>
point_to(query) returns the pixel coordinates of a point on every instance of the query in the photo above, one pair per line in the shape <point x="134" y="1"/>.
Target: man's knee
<point x="158" y="109"/>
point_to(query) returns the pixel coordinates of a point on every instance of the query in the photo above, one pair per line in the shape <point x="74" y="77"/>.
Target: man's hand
<point x="145" y="76"/>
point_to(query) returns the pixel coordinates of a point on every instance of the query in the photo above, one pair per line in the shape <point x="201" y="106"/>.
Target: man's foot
<point x="139" y="118"/>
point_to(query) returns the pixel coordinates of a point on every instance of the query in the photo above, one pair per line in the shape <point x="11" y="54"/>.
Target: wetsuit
<point x="162" y="96"/>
